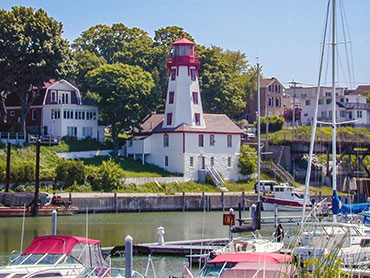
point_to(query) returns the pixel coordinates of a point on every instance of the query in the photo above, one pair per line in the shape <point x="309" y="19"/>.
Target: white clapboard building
<point x="184" y="139"/>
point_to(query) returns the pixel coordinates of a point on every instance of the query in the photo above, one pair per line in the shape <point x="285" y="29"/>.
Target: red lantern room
<point x="183" y="54"/>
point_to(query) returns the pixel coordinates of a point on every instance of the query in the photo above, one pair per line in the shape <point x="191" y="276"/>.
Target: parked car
<point x="248" y="135"/>
<point x="266" y="186"/>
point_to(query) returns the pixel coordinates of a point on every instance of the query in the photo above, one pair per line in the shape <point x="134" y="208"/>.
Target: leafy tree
<point x="124" y="96"/>
<point x="168" y="35"/>
<point x="70" y="172"/>
<point x="107" y="177"/>
<point x="248" y="160"/>
<point x="32" y="51"/>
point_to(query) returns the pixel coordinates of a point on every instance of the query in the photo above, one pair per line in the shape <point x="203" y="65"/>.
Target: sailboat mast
<point x="333" y="116"/>
<point x="258" y="134"/>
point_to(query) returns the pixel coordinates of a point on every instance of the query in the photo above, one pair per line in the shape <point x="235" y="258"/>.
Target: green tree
<point x="32" y="51"/>
<point x="70" y="172"/>
<point x="248" y="160"/>
<point x="124" y="96"/>
<point x="275" y="123"/>
<point x="107" y="177"/>
<point x="168" y="35"/>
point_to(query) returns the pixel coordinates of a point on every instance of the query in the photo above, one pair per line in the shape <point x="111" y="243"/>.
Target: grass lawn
<point x="80" y="145"/>
<point x="132" y="168"/>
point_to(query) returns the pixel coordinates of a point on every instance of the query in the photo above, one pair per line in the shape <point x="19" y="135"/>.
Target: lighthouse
<point x="183" y="101"/>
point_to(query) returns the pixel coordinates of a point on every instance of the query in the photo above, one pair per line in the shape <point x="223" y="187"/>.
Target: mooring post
<point x="161" y="232"/>
<point x="222" y="201"/>
<point x="203" y="201"/>
<point x="240" y="214"/>
<point x="70" y="198"/>
<point x="8" y="153"/>
<point x="128" y="256"/>
<point x="243" y="200"/>
<point x="115" y="202"/>
<point x="183" y="201"/>
<point x="231" y="211"/>
<point x="276" y="216"/>
<point x="54" y="223"/>
<point x="252" y="211"/>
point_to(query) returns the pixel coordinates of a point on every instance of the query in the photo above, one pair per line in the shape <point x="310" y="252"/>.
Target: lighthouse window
<point x="212" y="140"/>
<point x="193" y="74"/>
<point x="197" y="118"/>
<point x="195" y="97"/>
<point x="169" y="119"/>
<point x="171" y="97"/>
<point x="184" y="50"/>
<point x="229" y="141"/>
<point x="166" y="161"/>
<point x="173" y="74"/>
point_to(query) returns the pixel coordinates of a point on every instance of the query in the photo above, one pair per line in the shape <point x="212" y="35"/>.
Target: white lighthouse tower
<point x="183" y="102"/>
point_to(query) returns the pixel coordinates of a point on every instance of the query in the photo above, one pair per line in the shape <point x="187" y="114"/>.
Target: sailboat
<point x="319" y="240"/>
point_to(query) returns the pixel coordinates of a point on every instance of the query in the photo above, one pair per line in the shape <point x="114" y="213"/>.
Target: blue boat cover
<point x="339" y="207"/>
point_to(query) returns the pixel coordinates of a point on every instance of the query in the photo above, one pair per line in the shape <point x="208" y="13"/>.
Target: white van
<point x="265" y="186"/>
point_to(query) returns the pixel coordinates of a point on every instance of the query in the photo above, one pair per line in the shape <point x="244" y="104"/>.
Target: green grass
<point x="132" y="168"/>
<point x="79" y="145"/>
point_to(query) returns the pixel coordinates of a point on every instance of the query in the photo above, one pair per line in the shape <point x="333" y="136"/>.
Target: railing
<point x="13" y="137"/>
<point x="215" y="176"/>
<point x="47" y="139"/>
<point x="277" y="169"/>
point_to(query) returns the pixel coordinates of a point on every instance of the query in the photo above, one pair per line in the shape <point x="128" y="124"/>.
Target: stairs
<point x="216" y="178"/>
<point x="277" y="170"/>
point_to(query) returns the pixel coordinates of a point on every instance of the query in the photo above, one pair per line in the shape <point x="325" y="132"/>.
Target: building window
<point x="270" y="88"/>
<point x="171" y="97"/>
<point x="63" y="97"/>
<point x="201" y="140"/>
<point x="72" y="131"/>
<point x="191" y="162"/>
<point x="211" y="140"/>
<point x="212" y="161"/>
<point x="130" y="143"/>
<point x="271" y="101"/>
<point x="277" y="100"/>
<point x="308" y="102"/>
<point x="193" y="74"/>
<point x="169" y="118"/>
<point x="203" y="166"/>
<point x="305" y="114"/>
<point x="229" y="161"/>
<point x="195" y="97"/>
<point x="33" y="115"/>
<point x="323" y="114"/>
<point x="87" y="132"/>
<point x="197" y="118"/>
<point x="328" y="94"/>
<point x="229" y="141"/>
<point x="343" y="113"/>
<point x="12" y="113"/>
<point x="359" y="114"/>
<point x="166" y="161"/>
<point x="53" y="96"/>
<point x="328" y="101"/>
<point x="321" y="101"/>
<point x="173" y="74"/>
<point x="166" y="140"/>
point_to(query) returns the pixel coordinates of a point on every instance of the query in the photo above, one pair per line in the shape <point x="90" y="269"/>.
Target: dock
<point x="170" y="248"/>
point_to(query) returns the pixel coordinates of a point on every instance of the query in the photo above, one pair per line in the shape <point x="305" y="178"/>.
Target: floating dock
<point x="170" y="248"/>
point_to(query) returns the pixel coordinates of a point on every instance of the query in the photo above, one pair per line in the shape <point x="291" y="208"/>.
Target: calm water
<point x="112" y="229"/>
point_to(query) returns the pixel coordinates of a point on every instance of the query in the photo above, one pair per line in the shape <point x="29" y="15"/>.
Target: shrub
<point x="275" y="123"/>
<point x="107" y="177"/>
<point x="70" y="171"/>
<point x="19" y="188"/>
<point x="248" y="160"/>
<point x="30" y="189"/>
<point x="86" y="187"/>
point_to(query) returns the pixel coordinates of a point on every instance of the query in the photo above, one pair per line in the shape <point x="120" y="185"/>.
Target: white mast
<point x="258" y="134"/>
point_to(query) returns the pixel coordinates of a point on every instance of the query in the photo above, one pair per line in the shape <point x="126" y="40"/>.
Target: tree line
<point x="120" y="69"/>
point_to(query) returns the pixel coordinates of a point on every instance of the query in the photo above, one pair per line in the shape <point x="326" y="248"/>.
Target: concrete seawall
<point x="120" y="202"/>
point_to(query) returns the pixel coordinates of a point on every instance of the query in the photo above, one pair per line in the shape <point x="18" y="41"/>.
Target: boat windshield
<point x="215" y="269"/>
<point x="43" y="259"/>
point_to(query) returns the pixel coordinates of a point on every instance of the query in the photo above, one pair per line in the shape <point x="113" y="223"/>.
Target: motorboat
<point x="56" y="255"/>
<point x="249" y="265"/>
<point x="285" y="198"/>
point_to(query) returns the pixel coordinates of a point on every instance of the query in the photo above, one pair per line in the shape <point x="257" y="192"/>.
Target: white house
<point x="184" y="139"/>
<point x="58" y="112"/>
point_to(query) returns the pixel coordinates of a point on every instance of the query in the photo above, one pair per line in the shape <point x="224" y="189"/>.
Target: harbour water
<point x="112" y="228"/>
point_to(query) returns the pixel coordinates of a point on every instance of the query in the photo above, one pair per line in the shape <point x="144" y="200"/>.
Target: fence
<point x="16" y="138"/>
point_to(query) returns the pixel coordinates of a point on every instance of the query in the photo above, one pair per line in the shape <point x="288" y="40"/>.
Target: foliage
<point x="70" y="172"/>
<point x="288" y="114"/>
<point x="275" y="123"/>
<point x="32" y="51"/>
<point x="107" y="177"/>
<point x="125" y="96"/>
<point x="75" y="187"/>
<point x="248" y="160"/>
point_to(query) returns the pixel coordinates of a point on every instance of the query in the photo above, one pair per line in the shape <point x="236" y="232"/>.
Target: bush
<point x="86" y="187"/>
<point x="107" y="177"/>
<point x="248" y="160"/>
<point x="71" y="171"/>
<point x="19" y="188"/>
<point x="275" y="123"/>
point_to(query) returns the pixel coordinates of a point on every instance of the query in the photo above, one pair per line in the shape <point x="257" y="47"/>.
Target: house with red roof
<point x="58" y="111"/>
<point x="184" y="139"/>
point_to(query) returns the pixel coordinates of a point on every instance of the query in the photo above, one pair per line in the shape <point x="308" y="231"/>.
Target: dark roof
<point x="13" y="99"/>
<point x="362" y="89"/>
<point x="215" y="123"/>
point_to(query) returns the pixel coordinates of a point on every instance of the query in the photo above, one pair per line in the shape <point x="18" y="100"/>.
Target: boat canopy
<point x="259" y="270"/>
<point x="252" y="257"/>
<point x="85" y="250"/>
<point x="339" y="207"/>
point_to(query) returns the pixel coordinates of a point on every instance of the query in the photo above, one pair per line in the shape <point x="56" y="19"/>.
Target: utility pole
<point x="294" y="96"/>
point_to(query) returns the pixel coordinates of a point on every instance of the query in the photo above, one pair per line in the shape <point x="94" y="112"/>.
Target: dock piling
<point x="161" y="232"/>
<point x="54" y="223"/>
<point x="128" y="256"/>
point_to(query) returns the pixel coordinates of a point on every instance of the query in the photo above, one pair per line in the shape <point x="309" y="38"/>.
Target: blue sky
<point x="284" y="34"/>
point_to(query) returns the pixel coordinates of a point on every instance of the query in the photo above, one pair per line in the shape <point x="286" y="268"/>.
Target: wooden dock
<point x="170" y="248"/>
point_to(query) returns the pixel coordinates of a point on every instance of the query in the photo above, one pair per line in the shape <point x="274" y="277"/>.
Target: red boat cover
<point x="56" y="244"/>
<point x="259" y="270"/>
<point x="254" y="257"/>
